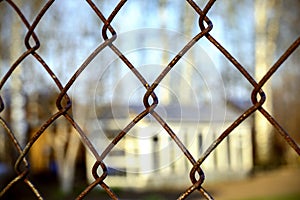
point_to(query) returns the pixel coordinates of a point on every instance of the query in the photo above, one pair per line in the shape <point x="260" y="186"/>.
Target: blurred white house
<point x="148" y="157"/>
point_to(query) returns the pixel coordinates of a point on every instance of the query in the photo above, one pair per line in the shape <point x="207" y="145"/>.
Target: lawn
<point x="281" y="197"/>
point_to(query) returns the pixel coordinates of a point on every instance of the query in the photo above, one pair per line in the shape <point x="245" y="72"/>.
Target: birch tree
<point x="266" y="33"/>
<point x="286" y="83"/>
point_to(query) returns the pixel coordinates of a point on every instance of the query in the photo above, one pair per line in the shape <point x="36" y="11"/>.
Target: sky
<point x="149" y="36"/>
<point x="133" y="17"/>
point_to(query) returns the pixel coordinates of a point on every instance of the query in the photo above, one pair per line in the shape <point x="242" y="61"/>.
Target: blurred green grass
<point x="281" y="197"/>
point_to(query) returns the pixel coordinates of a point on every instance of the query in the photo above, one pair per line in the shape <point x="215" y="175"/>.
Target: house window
<point x="155" y="153"/>
<point x="200" y="144"/>
<point x="228" y="150"/>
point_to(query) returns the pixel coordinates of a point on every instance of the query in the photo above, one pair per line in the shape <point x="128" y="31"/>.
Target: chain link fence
<point x="150" y="100"/>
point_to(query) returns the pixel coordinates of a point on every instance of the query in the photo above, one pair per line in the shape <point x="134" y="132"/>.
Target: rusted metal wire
<point x="63" y="102"/>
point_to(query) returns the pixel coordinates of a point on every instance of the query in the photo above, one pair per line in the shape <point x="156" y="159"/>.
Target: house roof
<point x="173" y="112"/>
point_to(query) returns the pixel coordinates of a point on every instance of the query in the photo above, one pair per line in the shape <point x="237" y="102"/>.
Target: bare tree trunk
<point x="66" y="148"/>
<point x="18" y="101"/>
<point x="166" y="97"/>
<point x="266" y="34"/>
<point x="70" y="162"/>
<point x="187" y="73"/>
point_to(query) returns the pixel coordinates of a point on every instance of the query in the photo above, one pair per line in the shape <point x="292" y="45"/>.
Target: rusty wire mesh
<point x="63" y="102"/>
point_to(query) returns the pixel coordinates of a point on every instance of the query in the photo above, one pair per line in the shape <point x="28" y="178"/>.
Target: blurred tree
<point x="275" y="31"/>
<point x="27" y="83"/>
<point x="272" y="32"/>
<point x="236" y="22"/>
<point x="18" y="101"/>
<point x="267" y="15"/>
<point x="5" y="19"/>
<point x="286" y="83"/>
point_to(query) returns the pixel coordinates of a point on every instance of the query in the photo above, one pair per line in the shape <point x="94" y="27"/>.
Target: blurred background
<point x="201" y="96"/>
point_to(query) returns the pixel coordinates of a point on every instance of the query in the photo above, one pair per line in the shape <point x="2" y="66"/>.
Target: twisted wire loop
<point x="64" y="103"/>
